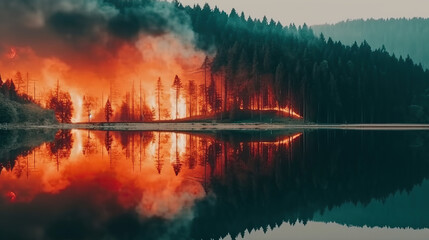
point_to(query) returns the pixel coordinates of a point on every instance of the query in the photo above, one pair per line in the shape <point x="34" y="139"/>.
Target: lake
<point x="316" y="184"/>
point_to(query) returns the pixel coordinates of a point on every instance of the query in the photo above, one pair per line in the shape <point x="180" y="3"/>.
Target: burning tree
<point x="148" y="113"/>
<point x="62" y="105"/>
<point x="19" y="80"/>
<point x="177" y="85"/>
<point x="108" y="111"/>
<point x="213" y="99"/>
<point x="88" y="104"/>
<point x="192" y="91"/>
<point x="125" y="109"/>
<point x="159" y="89"/>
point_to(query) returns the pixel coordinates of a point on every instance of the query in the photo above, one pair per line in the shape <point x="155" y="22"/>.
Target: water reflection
<point x="152" y="185"/>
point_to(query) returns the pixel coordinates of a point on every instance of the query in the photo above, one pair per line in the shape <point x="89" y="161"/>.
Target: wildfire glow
<point x="134" y="70"/>
<point x="12" y="53"/>
<point x="128" y="77"/>
<point x="288" y="111"/>
<point x="158" y="174"/>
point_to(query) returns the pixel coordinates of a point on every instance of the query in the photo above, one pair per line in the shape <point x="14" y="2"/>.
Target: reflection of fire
<point x="285" y="140"/>
<point x="11" y="196"/>
<point x="158" y="174"/>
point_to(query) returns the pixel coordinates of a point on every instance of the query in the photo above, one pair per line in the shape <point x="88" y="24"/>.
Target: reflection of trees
<point x="191" y="151"/>
<point x="177" y="164"/>
<point x="20" y="143"/>
<point x="61" y="147"/>
<point x="269" y="182"/>
<point x="128" y="138"/>
<point x="89" y="146"/>
<point x="108" y="140"/>
<point x="133" y="143"/>
<point x="62" y="144"/>
<point x="159" y="162"/>
<point x="262" y="179"/>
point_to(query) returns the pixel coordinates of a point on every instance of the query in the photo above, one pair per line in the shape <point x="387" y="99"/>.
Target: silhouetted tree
<point x="62" y="145"/>
<point x="159" y="90"/>
<point x="108" y="140"/>
<point x="192" y="90"/>
<point x="177" y="86"/>
<point x="19" y="80"/>
<point x="108" y="111"/>
<point x="88" y="104"/>
<point x="89" y="146"/>
<point x="61" y="103"/>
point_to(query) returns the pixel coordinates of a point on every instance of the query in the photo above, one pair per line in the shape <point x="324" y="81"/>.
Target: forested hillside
<point x="399" y="36"/>
<point x="263" y="63"/>
<point x="20" y="108"/>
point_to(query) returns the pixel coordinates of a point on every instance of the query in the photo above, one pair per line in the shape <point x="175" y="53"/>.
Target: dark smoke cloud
<point x="72" y="29"/>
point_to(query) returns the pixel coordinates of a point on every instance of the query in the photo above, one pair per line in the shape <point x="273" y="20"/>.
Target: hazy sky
<point x="322" y="11"/>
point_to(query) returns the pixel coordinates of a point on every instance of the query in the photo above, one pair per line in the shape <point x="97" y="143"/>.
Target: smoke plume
<point x="92" y="45"/>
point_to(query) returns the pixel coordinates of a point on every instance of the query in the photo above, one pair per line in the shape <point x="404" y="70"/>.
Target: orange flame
<point x="12" y="53"/>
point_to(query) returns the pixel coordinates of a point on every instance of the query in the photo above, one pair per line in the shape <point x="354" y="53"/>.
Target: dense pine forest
<point x="264" y="63"/>
<point x="401" y="37"/>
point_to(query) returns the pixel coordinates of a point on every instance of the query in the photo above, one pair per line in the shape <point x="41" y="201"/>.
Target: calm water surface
<point x="214" y="185"/>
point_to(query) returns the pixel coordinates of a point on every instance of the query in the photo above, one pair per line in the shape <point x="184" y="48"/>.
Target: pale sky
<point x="321" y="11"/>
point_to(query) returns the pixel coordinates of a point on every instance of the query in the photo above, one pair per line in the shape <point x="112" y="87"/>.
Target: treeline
<point x="401" y="37"/>
<point x="18" y="107"/>
<point x="262" y="64"/>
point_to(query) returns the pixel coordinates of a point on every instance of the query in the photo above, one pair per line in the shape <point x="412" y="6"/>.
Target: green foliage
<point x="16" y="112"/>
<point x="8" y="113"/>
<point x="35" y="114"/>
<point x="16" y="108"/>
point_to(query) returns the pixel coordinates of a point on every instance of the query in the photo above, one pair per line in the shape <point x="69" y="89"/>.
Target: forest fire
<point x="156" y="72"/>
<point x="130" y="83"/>
<point x="129" y="80"/>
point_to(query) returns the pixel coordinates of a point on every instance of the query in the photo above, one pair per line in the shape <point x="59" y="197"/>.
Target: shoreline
<point x="214" y="126"/>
